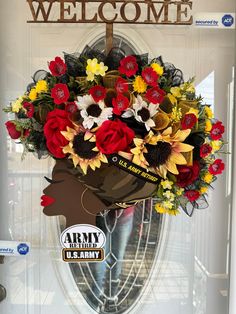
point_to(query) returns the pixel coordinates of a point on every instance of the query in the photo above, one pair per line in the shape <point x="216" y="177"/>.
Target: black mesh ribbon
<point x="189" y="207"/>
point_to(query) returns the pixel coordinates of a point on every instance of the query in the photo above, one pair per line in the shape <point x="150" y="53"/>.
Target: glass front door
<point x="173" y="265"/>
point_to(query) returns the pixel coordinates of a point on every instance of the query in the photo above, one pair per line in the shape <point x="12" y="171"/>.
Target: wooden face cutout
<point x="72" y="198"/>
<point x="81" y="198"/>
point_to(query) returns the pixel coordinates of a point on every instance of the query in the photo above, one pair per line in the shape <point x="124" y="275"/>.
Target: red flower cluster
<point x="114" y="136"/>
<point x="188" y="121"/>
<point x="192" y="195"/>
<point x="57" y="67"/>
<point x="205" y="150"/>
<point x="217" y="167"/>
<point x="71" y="107"/>
<point x="188" y="174"/>
<point x="60" y="93"/>
<point x="120" y="103"/>
<point x="155" y="95"/>
<point x="98" y="92"/>
<point x="115" y="109"/>
<point x="29" y="109"/>
<point x="57" y="121"/>
<point x="12" y="131"/>
<point x="121" y="85"/>
<point x="150" y="76"/>
<point x="128" y="66"/>
<point x="217" y="131"/>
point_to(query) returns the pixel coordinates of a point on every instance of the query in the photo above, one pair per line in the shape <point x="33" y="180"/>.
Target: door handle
<point x="3" y="293"/>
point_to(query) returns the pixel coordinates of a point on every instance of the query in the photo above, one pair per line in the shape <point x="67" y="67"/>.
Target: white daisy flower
<point x="142" y="112"/>
<point x="93" y="112"/>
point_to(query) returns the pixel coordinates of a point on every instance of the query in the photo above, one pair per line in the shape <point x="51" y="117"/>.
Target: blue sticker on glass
<point x="227" y="20"/>
<point x="23" y="249"/>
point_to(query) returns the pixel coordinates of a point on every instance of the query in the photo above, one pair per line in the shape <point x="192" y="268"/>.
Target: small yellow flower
<point x="179" y="191"/>
<point x="139" y="85"/>
<point x="101" y="69"/>
<point x="167" y="204"/>
<point x="216" y="145"/>
<point x="175" y="91"/>
<point x="33" y="94"/>
<point x="41" y="86"/>
<point x="157" y="68"/>
<point x="173" y="212"/>
<point x="203" y="189"/>
<point x="170" y="196"/>
<point x="17" y="105"/>
<point x="163" y="210"/>
<point x="90" y="76"/>
<point x="176" y="114"/>
<point x="92" y="65"/>
<point x="172" y="99"/>
<point x="167" y="184"/>
<point x="209" y="112"/>
<point x="95" y="68"/>
<point x="208" y="177"/>
<point x="208" y="126"/>
<point x="160" y="209"/>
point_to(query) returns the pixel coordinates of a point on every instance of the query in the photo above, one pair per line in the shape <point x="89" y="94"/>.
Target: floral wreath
<point x="91" y="106"/>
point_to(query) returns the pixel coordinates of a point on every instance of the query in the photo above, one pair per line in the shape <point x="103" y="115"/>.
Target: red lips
<point x="46" y="200"/>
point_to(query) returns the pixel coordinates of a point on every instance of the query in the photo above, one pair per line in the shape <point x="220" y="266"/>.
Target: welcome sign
<point x="112" y="11"/>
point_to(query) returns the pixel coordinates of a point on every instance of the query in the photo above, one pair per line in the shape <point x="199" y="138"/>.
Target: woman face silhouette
<point x="80" y="202"/>
<point x="66" y="196"/>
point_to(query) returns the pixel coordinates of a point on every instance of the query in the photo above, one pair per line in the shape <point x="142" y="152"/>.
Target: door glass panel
<point x="186" y="271"/>
<point x="113" y="286"/>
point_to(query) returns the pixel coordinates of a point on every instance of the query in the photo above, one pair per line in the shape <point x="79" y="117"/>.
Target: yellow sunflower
<point x="162" y="152"/>
<point x="82" y="149"/>
<point x="140" y="149"/>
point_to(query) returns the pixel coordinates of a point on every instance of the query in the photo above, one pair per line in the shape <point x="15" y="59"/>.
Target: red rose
<point x="29" y="109"/>
<point x="155" y="95"/>
<point x="114" y="136"/>
<point x="128" y="66"/>
<point x="188" y="121"/>
<point x="97" y="92"/>
<point x="12" y="131"/>
<point x="150" y="76"/>
<point x="217" y="130"/>
<point x="120" y="103"/>
<point x="188" y="174"/>
<point x="57" y="67"/>
<point x="60" y="93"/>
<point x="192" y="195"/>
<point x="205" y="150"/>
<point x="56" y="121"/>
<point x="71" y="107"/>
<point x="217" y="167"/>
<point x="121" y="85"/>
<point x="26" y="133"/>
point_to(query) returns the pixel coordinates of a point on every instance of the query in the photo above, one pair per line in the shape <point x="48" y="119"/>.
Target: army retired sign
<point x="83" y="243"/>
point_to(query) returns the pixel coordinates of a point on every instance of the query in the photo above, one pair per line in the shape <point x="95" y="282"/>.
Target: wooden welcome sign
<point x="165" y="12"/>
<point x="112" y="11"/>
